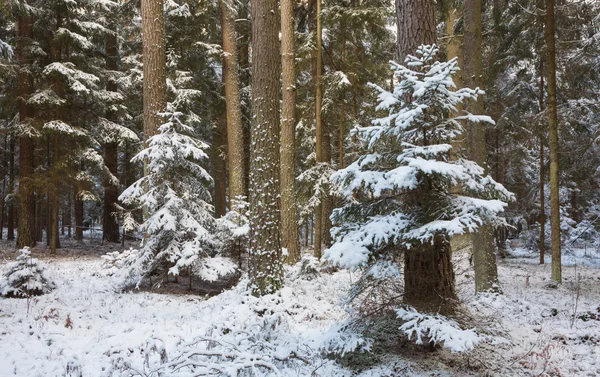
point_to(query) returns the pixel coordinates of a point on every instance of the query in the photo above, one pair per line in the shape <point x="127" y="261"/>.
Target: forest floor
<point x="85" y="326"/>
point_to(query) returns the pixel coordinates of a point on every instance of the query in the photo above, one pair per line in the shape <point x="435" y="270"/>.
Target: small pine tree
<point x="25" y="277"/>
<point x="398" y="194"/>
<point x="175" y="195"/>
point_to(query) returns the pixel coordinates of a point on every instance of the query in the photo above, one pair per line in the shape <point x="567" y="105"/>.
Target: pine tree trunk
<point x="10" y="232"/>
<point x="55" y="242"/>
<point x="154" y="61"/>
<point x="429" y="277"/>
<point x="265" y="238"/>
<point x="484" y="255"/>
<point x="416" y="25"/>
<point x="4" y="170"/>
<point x="110" y="223"/>
<point x="327" y="200"/>
<point x="26" y="224"/>
<point x="428" y="271"/>
<point x="219" y="170"/>
<point x="235" y="130"/>
<point x="542" y="175"/>
<point x="78" y="204"/>
<point x="553" y="139"/>
<point x="318" y="75"/>
<point x="289" y="221"/>
<point x="244" y="32"/>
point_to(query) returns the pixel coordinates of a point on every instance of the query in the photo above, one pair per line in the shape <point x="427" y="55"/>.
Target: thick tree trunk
<point x="10" y="232"/>
<point x="154" y="60"/>
<point x="235" y="129"/>
<point x="26" y="224"/>
<point x="244" y="32"/>
<point x="484" y="256"/>
<point x="553" y="139"/>
<point x="429" y="277"/>
<point x="416" y="25"/>
<point x="289" y="221"/>
<point x="428" y="271"/>
<point x="110" y="223"/>
<point x="318" y="76"/>
<point x="265" y="239"/>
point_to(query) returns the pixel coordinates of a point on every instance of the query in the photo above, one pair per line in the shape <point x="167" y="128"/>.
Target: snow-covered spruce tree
<point x="25" y="277"/>
<point x="175" y="194"/>
<point x="398" y="194"/>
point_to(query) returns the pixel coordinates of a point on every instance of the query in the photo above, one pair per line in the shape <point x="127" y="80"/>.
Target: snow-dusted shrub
<point x="436" y="329"/>
<point x="115" y="261"/>
<point x="175" y="193"/>
<point x="25" y="277"/>
<point x="233" y="229"/>
<point x="244" y="335"/>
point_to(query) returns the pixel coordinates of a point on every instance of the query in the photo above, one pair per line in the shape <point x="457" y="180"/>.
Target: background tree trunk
<point x="10" y="219"/>
<point x="110" y="223"/>
<point x="484" y="256"/>
<point x="318" y="74"/>
<point x="265" y="239"/>
<point x="553" y="139"/>
<point x="219" y="168"/>
<point x="416" y="25"/>
<point x="78" y="204"/>
<point x="289" y="220"/>
<point x="26" y="224"/>
<point x="542" y="174"/>
<point x="235" y="130"/>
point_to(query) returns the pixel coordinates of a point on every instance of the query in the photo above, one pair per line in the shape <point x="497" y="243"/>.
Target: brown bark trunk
<point x="318" y="75"/>
<point x="78" y="204"/>
<point x="416" y="25"/>
<point x="553" y="141"/>
<point x="235" y="130"/>
<point x="542" y="180"/>
<point x="429" y="277"/>
<point x="110" y="223"/>
<point x="10" y="232"/>
<point x="55" y="242"/>
<point x="484" y="256"/>
<point x="289" y="221"/>
<point x="26" y="224"/>
<point x="154" y="61"/>
<point x="265" y="238"/>
<point x="219" y="172"/>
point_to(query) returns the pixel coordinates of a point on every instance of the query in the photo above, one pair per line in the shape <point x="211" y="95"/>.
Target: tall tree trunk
<point x="244" y="32"/>
<point x="78" y="204"/>
<point x="154" y="61"/>
<point x="10" y="232"/>
<point x="484" y="255"/>
<point x="3" y="195"/>
<point x="219" y="170"/>
<point x="235" y="129"/>
<point x="318" y="74"/>
<point x="266" y="267"/>
<point x="26" y="224"/>
<point x="428" y="271"/>
<point x="54" y="195"/>
<point x="110" y="223"/>
<point x="289" y="221"/>
<point x="542" y="175"/>
<point x="553" y="141"/>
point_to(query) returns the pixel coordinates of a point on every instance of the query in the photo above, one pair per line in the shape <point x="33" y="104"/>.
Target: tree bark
<point x="428" y="271"/>
<point x="484" y="256"/>
<point x="154" y="61"/>
<point x="542" y="175"/>
<point x="78" y="204"/>
<point x="235" y="129"/>
<point x="416" y="25"/>
<point x="110" y="223"/>
<point x="318" y="74"/>
<point x="266" y="267"/>
<point x="219" y="168"/>
<point x="289" y="221"/>
<point x="553" y="141"/>
<point x="26" y="224"/>
<point x="10" y="232"/>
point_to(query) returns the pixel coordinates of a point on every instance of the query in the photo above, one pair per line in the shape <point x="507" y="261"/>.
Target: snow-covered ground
<point x="85" y="328"/>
